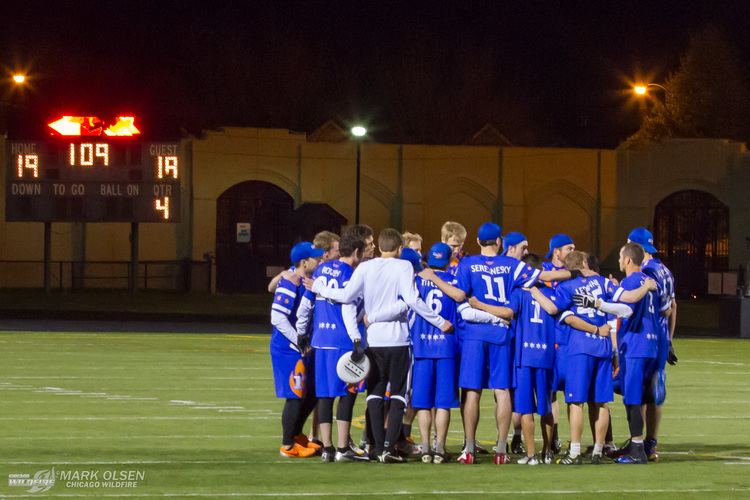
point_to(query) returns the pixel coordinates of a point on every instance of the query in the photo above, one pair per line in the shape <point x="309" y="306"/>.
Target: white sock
<point x="469" y="446"/>
<point x="502" y="445"/>
<point x="598" y="448"/>
<point x="636" y="441"/>
<point x="575" y="449"/>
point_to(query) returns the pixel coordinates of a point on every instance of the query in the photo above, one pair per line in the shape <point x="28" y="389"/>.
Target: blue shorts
<point x="589" y="380"/>
<point x="327" y="381"/>
<point x="485" y="366"/>
<point x="290" y="372"/>
<point x="636" y="377"/>
<point x="561" y="366"/>
<point x="533" y="391"/>
<point x="434" y="383"/>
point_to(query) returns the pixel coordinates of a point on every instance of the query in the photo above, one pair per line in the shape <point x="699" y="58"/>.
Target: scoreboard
<point x="82" y="178"/>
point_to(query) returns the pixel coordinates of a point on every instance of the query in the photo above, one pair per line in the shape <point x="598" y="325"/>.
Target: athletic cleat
<point x="501" y="459"/>
<point x="632" y="459"/>
<point x="426" y="458"/>
<point x="556" y="447"/>
<point x="635" y="454"/>
<point x="597" y="459"/>
<point x="651" y="452"/>
<point x="303" y="441"/>
<point x="618" y="452"/>
<point x="516" y="445"/>
<point x="480" y="450"/>
<point x="608" y="449"/>
<point x="439" y="458"/>
<point x="328" y="455"/>
<point x="357" y="450"/>
<point x="568" y="460"/>
<point x="350" y="456"/>
<point x="549" y="458"/>
<point x="466" y="457"/>
<point x="528" y="460"/>
<point x="296" y="451"/>
<point x="391" y="458"/>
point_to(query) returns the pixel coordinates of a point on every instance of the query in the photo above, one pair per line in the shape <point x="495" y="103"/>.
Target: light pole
<point x="358" y="132"/>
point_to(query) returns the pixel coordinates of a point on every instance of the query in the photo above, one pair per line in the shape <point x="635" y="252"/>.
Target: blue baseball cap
<point x="644" y="238"/>
<point x="489" y="231"/>
<point x="304" y="250"/>
<point x="512" y="239"/>
<point x="557" y="241"/>
<point x="412" y="256"/>
<point x="440" y="255"/>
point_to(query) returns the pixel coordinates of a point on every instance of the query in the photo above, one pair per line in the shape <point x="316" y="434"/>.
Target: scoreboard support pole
<point x="47" y="256"/>
<point x="133" y="274"/>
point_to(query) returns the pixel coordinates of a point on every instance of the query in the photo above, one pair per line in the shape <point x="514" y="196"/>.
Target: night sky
<point x="543" y="73"/>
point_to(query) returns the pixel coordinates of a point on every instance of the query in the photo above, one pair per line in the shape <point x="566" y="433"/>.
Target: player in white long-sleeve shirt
<point x="382" y="282"/>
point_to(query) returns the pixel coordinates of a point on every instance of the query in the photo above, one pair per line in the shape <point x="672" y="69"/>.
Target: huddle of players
<point x="523" y="331"/>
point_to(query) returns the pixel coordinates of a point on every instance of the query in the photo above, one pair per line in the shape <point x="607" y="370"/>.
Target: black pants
<point x="388" y="365"/>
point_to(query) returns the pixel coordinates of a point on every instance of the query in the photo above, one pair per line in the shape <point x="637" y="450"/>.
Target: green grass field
<point x="195" y="415"/>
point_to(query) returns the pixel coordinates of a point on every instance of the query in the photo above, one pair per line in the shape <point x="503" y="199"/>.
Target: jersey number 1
<point x="500" y="297"/>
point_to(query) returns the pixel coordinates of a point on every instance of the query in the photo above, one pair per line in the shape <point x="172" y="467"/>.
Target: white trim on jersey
<point x="281" y="309"/>
<point x="564" y="315"/>
<point x="286" y="292"/>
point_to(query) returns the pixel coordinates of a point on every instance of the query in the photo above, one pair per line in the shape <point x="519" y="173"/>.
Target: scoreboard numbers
<point x="84" y="154"/>
<point x="102" y="179"/>
<point x="27" y="162"/>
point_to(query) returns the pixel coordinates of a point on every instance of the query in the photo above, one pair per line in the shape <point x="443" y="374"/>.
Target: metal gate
<point x="691" y="232"/>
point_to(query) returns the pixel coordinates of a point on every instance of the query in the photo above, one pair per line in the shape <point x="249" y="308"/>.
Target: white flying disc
<point x="351" y="372"/>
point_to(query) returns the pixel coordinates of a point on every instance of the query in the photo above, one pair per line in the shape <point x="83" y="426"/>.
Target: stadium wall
<point x="595" y="195"/>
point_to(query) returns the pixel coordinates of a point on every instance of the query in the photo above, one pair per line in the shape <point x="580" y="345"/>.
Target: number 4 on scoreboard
<point x="162" y="205"/>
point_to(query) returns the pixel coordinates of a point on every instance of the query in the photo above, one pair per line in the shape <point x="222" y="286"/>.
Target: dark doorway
<point x="241" y="264"/>
<point x="312" y="218"/>
<point x="691" y="232"/>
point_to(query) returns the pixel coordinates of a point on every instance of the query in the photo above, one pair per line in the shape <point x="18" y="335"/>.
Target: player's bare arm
<point x="672" y="319"/>
<point x="287" y="275"/>
<point x="543" y="301"/>
<point x="633" y="296"/>
<point x="451" y="291"/>
<point x="585" y="326"/>
<point x="499" y="311"/>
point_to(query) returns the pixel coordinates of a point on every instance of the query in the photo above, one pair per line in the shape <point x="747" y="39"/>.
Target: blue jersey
<point x="657" y="271"/>
<point x="562" y="331"/>
<point x="638" y="335"/>
<point x="580" y="342"/>
<point x="492" y="280"/>
<point x="428" y="341"/>
<point x="286" y="300"/>
<point x="534" y="330"/>
<point x="328" y="328"/>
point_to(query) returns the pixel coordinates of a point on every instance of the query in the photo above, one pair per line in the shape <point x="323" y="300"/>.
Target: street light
<point x="19" y="78"/>
<point x="358" y="132"/>
<point x="642" y="89"/>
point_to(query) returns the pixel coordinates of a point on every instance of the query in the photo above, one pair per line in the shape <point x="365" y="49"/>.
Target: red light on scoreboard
<point x="88" y="126"/>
